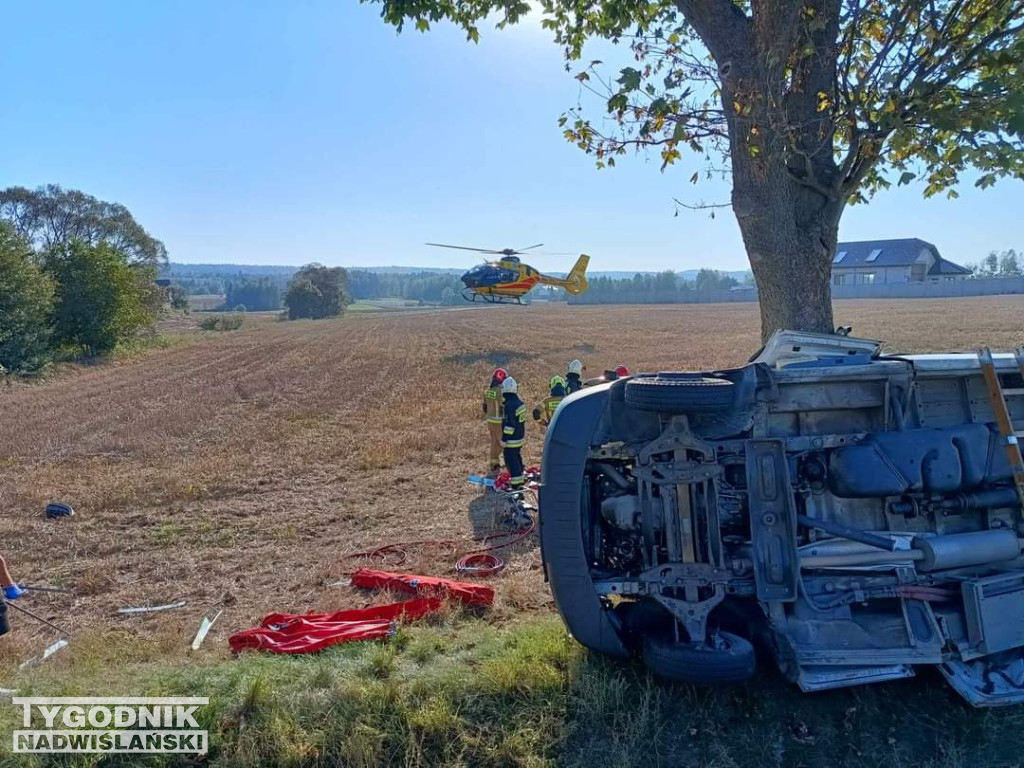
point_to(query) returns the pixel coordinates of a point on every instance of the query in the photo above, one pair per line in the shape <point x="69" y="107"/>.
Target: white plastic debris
<point x="204" y="630"/>
<point x="46" y="654"/>
<point x="152" y="608"/>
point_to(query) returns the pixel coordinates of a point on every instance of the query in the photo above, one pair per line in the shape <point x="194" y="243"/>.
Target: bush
<point x="227" y="322"/>
<point x="26" y="306"/>
<point x="101" y="299"/>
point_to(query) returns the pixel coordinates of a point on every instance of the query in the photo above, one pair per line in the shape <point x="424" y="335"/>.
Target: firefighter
<point x="545" y="409"/>
<point x="512" y="433"/>
<point x="493" y="414"/>
<point x="573" y="382"/>
<point x="11" y="591"/>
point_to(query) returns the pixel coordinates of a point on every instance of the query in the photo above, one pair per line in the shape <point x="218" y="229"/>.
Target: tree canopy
<point x="26" y="305"/>
<point x="52" y="216"/>
<point x="101" y="299"/>
<point x="316" y="292"/>
<point x="811" y="104"/>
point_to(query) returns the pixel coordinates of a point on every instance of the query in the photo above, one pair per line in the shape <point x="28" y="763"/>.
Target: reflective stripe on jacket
<point x="545" y="409"/>
<point x="513" y="427"/>
<point x="492" y="405"/>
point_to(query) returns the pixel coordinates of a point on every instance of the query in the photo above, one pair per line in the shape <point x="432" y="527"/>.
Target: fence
<point x="937" y="290"/>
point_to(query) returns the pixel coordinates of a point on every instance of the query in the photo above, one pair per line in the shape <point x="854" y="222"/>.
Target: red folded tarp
<point x="304" y="633"/>
<point x="463" y="591"/>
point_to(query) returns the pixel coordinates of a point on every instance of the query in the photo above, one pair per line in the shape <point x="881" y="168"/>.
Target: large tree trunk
<point x="790" y="234"/>
<point x="776" y="69"/>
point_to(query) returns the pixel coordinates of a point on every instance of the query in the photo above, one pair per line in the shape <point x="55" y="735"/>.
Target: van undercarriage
<point x="855" y="514"/>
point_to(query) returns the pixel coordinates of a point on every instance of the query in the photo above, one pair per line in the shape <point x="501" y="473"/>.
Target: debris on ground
<point x="204" y="629"/>
<point x="152" y="608"/>
<point x="57" y="509"/>
<point x="36" y="660"/>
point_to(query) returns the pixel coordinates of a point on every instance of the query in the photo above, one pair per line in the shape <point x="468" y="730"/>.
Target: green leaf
<point x="630" y="79"/>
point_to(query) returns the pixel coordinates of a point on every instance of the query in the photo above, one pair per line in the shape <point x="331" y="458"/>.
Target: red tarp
<point x="303" y="633"/>
<point x="463" y="591"/>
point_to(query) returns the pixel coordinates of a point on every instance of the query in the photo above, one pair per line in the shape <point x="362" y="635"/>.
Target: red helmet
<point x="621" y="371"/>
<point x="500" y="374"/>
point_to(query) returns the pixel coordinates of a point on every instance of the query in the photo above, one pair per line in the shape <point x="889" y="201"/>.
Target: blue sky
<point x="277" y="132"/>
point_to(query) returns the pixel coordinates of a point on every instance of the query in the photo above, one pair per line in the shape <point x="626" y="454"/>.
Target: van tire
<point x="733" y="661"/>
<point x="680" y="393"/>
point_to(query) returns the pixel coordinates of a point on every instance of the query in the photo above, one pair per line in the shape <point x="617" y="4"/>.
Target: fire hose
<point x="479" y="561"/>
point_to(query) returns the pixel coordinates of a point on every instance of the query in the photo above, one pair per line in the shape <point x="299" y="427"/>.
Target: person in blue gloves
<point x="11" y="591"/>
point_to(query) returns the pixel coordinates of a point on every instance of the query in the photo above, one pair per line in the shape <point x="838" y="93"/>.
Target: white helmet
<point x="509" y="385"/>
<point x="576" y="366"/>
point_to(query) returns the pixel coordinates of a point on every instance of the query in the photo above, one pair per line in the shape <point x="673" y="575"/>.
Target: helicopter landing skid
<point x="490" y="298"/>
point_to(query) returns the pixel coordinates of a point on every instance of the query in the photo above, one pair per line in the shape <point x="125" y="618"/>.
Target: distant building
<point x="910" y="260"/>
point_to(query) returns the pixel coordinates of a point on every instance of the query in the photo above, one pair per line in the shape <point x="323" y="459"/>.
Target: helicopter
<point x="506" y="280"/>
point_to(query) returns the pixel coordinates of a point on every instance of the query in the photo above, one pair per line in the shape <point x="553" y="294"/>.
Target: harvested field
<point x="240" y="468"/>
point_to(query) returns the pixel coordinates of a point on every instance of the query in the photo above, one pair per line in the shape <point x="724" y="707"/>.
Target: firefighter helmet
<point x="576" y="366"/>
<point x="621" y="371"/>
<point x="500" y="374"/>
<point x="556" y="381"/>
<point x="508" y="385"/>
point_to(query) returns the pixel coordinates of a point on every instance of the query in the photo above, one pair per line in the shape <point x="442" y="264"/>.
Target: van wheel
<point x="730" y="660"/>
<point x="680" y="393"/>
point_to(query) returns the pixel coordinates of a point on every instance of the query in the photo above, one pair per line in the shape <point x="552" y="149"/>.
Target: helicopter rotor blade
<point x="551" y="253"/>
<point x="464" y="248"/>
<point x="538" y="245"/>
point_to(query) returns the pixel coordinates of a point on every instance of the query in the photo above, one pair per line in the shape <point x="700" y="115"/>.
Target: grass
<point x="238" y="470"/>
<point x="526" y="695"/>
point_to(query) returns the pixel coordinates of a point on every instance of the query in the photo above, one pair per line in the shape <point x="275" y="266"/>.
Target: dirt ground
<point x="239" y="469"/>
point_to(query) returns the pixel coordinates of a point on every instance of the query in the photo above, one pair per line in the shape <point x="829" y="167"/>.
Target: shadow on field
<point x="619" y="715"/>
<point x="496" y="357"/>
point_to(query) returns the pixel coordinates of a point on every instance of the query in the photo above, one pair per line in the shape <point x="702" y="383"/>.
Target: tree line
<point x="1005" y="264"/>
<point x="661" y="288"/>
<point x="260" y="293"/>
<point x="77" y="276"/>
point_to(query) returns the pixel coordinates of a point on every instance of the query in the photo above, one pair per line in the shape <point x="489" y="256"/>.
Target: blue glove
<point x="13" y="591"/>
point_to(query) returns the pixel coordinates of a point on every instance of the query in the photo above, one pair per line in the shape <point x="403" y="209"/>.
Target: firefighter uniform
<point x="493" y="413"/>
<point x="544" y="411"/>
<point x="573" y="382"/>
<point x="513" y="434"/>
